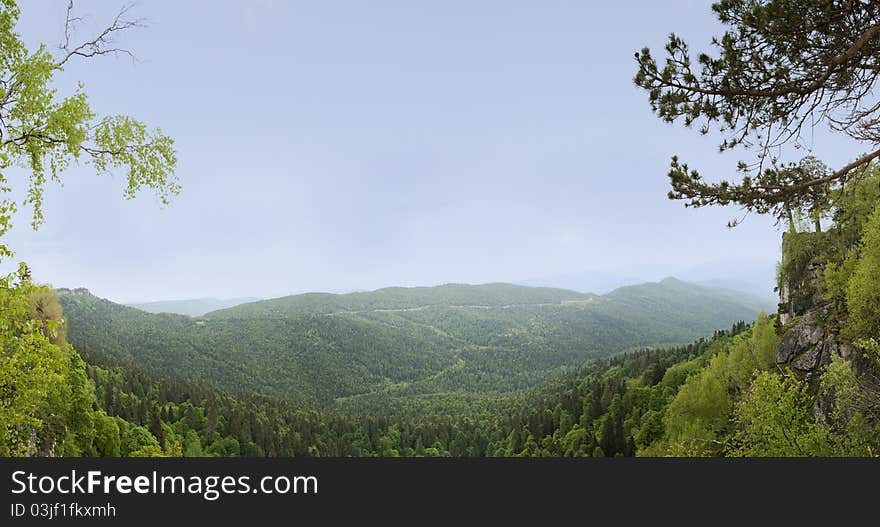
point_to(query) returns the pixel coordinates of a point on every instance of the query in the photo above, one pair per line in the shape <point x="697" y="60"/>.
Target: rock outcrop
<point x="810" y="334"/>
<point x="809" y="341"/>
<point x="802" y="293"/>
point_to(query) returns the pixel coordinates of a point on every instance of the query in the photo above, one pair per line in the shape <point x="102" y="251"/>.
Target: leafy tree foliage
<point x="44" y="133"/>
<point x="852" y="424"/>
<point x="45" y="398"/>
<point x="698" y="419"/>
<point x="776" y="419"/>
<point x="46" y="403"/>
<point x="863" y="288"/>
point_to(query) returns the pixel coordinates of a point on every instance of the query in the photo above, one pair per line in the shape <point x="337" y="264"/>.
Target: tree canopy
<point x="45" y="398"/>
<point x="781" y="68"/>
<point x="43" y="131"/>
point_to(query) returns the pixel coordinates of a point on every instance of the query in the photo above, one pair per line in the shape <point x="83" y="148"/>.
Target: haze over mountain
<point x="425" y="341"/>
<point x="193" y="307"/>
<point x="749" y="276"/>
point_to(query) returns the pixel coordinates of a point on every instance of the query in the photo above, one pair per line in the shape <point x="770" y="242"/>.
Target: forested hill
<point x="403" y="298"/>
<point x="689" y="297"/>
<point x="670" y="291"/>
<point x="494" y="338"/>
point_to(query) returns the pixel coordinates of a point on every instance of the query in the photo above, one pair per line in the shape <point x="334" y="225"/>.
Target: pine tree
<point x="782" y="67"/>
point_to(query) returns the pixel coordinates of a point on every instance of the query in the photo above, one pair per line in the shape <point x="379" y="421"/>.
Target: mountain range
<point x="400" y="342"/>
<point x="194" y="307"/>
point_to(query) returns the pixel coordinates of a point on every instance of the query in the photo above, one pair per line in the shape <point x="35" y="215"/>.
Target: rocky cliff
<point x="808" y="321"/>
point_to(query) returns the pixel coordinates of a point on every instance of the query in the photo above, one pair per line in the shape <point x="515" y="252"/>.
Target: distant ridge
<point x="703" y="291"/>
<point x="490" y="295"/>
<point x="194" y="307"/>
<point x="496" y="294"/>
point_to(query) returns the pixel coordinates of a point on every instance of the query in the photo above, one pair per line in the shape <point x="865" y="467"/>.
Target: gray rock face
<point x="786" y="314"/>
<point x="809" y="325"/>
<point x="808" y="344"/>
<point x="801" y="294"/>
<point x="805" y="344"/>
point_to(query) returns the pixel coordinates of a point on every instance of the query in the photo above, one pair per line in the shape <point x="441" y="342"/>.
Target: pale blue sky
<point x="354" y="145"/>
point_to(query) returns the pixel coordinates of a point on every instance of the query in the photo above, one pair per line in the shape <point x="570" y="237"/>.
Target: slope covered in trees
<point x="399" y="342"/>
<point x="718" y="396"/>
<point x="120" y="410"/>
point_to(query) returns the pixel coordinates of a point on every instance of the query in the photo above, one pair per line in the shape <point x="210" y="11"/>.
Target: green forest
<point x="496" y="370"/>
<point x="493" y="338"/>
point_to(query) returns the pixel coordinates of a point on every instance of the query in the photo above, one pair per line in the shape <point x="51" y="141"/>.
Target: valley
<point x="347" y="350"/>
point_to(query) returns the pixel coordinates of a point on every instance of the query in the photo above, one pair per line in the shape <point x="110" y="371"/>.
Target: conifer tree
<point x="780" y="68"/>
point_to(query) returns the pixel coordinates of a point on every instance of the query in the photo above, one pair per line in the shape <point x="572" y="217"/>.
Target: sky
<point x="352" y="145"/>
